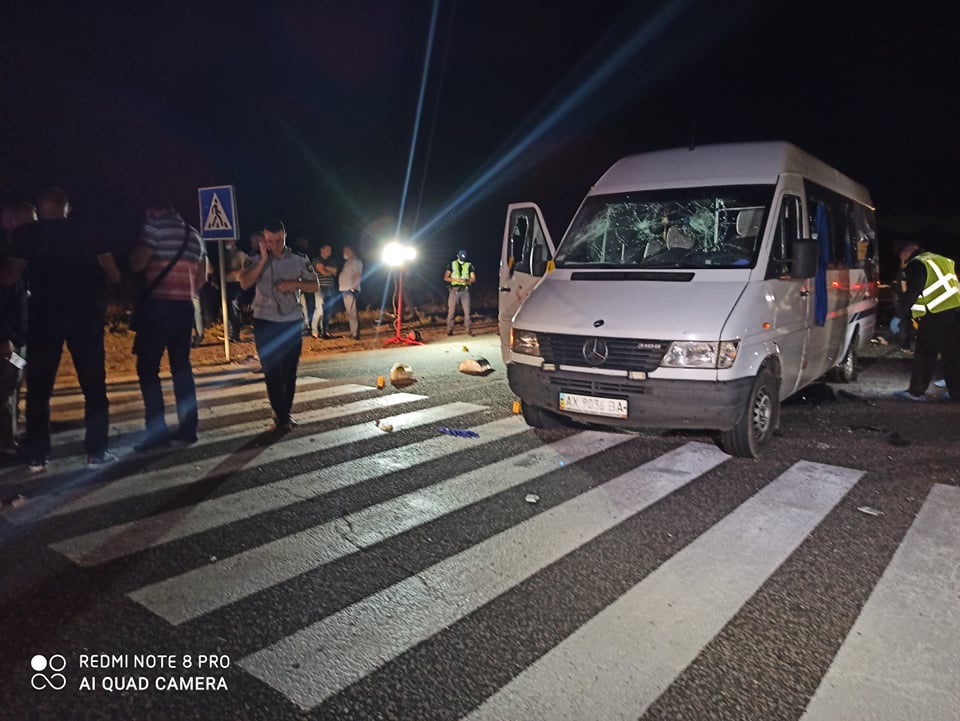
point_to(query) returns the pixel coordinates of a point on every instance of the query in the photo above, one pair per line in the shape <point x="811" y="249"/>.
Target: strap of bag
<point x="163" y="273"/>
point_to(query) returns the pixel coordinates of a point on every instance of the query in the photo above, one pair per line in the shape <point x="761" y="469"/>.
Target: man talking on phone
<point x="279" y="276"/>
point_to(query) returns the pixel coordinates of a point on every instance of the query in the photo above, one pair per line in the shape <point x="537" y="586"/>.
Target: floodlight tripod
<point x="398" y="339"/>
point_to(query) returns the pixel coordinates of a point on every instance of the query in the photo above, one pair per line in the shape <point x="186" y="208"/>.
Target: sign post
<point x="218" y="221"/>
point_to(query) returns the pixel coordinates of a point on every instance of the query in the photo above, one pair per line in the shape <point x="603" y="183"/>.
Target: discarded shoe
<point x="907" y="395"/>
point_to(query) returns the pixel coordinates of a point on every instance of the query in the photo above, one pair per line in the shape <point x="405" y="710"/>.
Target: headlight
<point x="525" y="342"/>
<point x="700" y="354"/>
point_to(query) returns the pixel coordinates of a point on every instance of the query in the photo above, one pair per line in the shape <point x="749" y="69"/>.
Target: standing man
<point x="932" y="298"/>
<point x="460" y="276"/>
<point x="175" y="264"/>
<point x="308" y="301"/>
<point x="13" y="334"/>
<point x="233" y="260"/>
<point x="350" y="277"/>
<point x="279" y="276"/>
<point x="68" y="267"/>
<point x="326" y="270"/>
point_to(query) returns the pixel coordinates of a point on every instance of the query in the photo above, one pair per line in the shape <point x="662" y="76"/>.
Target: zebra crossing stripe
<point x="643" y="640"/>
<point x="207" y="410"/>
<point x="220" y="435"/>
<point x="208" y="588"/>
<point x="126" y="538"/>
<point x="316" y="662"/>
<point x="900" y="659"/>
<point x="187" y="473"/>
<point x="129" y="402"/>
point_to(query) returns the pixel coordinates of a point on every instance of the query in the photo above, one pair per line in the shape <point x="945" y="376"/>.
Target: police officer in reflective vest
<point x="932" y="299"/>
<point x="460" y="277"/>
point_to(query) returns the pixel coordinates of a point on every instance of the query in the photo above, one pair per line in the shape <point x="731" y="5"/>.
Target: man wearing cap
<point x="279" y="275"/>
<point x="460" y="277"/>
<point x="932" y="299"/>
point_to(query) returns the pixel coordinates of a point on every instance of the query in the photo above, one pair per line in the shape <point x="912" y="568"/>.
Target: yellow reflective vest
<point x="942" y="291"/>
<point x="460" y="273"/>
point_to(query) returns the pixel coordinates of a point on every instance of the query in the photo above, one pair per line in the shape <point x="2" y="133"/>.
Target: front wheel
<point x="537" y="417"/>
<point x="758" y="420"/>
<point x="846" y="370"/>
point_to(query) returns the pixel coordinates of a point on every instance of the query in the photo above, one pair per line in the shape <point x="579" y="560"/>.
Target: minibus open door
<point x="526" y="256"/>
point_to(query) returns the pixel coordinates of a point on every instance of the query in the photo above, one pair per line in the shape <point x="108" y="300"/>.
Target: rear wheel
<point x="541" y="418"/>
<point x="758" y="420"/>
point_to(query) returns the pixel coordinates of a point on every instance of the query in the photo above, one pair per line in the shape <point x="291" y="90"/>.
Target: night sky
<point x="309" y="108"/>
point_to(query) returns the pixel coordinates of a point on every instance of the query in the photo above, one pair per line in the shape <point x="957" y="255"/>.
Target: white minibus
<point x="694" y="288"/>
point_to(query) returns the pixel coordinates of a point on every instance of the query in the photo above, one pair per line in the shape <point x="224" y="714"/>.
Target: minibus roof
<point x="729" y="164"/>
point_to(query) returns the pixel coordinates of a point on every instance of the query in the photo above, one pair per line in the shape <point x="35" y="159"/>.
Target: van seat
<point x="748" y="222"/>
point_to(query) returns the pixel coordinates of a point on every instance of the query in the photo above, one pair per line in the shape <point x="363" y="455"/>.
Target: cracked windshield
<point x="680" y="228"/>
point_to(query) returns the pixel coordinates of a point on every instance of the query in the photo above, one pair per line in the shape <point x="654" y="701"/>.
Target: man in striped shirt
<point x="167" y="320"/>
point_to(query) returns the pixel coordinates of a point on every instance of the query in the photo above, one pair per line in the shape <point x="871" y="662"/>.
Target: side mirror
<point x="805" y="257"/>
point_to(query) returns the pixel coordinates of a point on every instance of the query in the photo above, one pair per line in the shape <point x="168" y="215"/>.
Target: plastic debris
<point x="475" y="366"/>
<point x="213" y="559"/>
<point x="459" y="432"/>
<point x="19" y="502"/>
<point x="870" y="511"/>
<point x="401" y="375"/>
<point x="532" y="498"/>
<point x="517" y="409"/>
<point x="380" y="382"/>
<point x="386" y="427"/>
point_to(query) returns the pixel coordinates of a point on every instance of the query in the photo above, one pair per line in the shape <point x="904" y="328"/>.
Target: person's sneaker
<point x="942" y="383"/>
<point x="909" y="396"/>
<point x="101" y="459"/>
<point x="37" y="465"/>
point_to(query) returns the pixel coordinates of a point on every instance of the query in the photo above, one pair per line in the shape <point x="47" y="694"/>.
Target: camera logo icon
<point x="52" y="680"/>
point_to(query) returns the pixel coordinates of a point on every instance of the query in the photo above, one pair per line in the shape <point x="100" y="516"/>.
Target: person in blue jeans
<point x="167" y="320"/>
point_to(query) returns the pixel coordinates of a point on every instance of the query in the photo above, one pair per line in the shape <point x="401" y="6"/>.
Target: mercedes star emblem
<point x="595" y="351"/>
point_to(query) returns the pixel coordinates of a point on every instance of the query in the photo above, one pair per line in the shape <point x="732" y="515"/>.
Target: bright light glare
<point x="397" y="253"/>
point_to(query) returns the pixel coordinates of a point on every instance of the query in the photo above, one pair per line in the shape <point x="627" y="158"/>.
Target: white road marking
<point x="237" y="431"/>
<point x="205" y="589"/>
<point x="900" y="659"/>
<point x="313" y="664"/>
<point x="638" y="645"/>
<point x="121" y="540"/>
<point x="188" y="473"/>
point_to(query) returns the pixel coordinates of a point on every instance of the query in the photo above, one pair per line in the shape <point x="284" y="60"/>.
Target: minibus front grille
<point x="625" y="354"/>
<point x="597" y="388"/>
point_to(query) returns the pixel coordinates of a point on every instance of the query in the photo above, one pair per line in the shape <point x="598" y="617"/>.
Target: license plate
<point x="593" y="405"/>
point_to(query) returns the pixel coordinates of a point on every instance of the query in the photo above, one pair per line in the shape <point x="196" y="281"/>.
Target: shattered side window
<point x="682" y="228"/>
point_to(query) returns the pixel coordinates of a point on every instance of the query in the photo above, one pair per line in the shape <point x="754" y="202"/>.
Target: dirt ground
<point x="120" y="361"/>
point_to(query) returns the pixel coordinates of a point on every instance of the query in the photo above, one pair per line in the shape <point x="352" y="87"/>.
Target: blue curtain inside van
<point x="820" y="282"/>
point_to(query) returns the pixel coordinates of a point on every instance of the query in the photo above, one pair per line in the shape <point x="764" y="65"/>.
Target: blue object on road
<point x="459" y="432"/>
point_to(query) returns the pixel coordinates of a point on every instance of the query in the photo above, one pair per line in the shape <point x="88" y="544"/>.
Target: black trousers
<point x="938" y="334"/>
<point x="83" y="335"/>
<point x="279" y="345"/>
<point x="167" y="326"/>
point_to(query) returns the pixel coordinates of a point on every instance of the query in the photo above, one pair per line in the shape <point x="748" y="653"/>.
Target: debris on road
<point x="532" y="498"/>
<point x="517" y="408"/>
<point x="19" y="502"/>
<point x="475" y="367"/>
<point x="895" y="439"/>
<point x="401" y="375"/>
<point x="870" y="511"/>
<point x="459" y="432"/>
<point x="385" y="427"/>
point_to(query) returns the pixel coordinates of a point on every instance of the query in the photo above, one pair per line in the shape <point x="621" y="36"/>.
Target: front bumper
<point x="708" y="405"/>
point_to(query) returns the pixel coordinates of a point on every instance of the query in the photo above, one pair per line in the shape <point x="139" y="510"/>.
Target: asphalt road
<point x="346" y="571"/>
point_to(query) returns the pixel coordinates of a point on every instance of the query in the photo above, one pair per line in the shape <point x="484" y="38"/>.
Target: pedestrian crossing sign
<point x="218" y="213"/>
